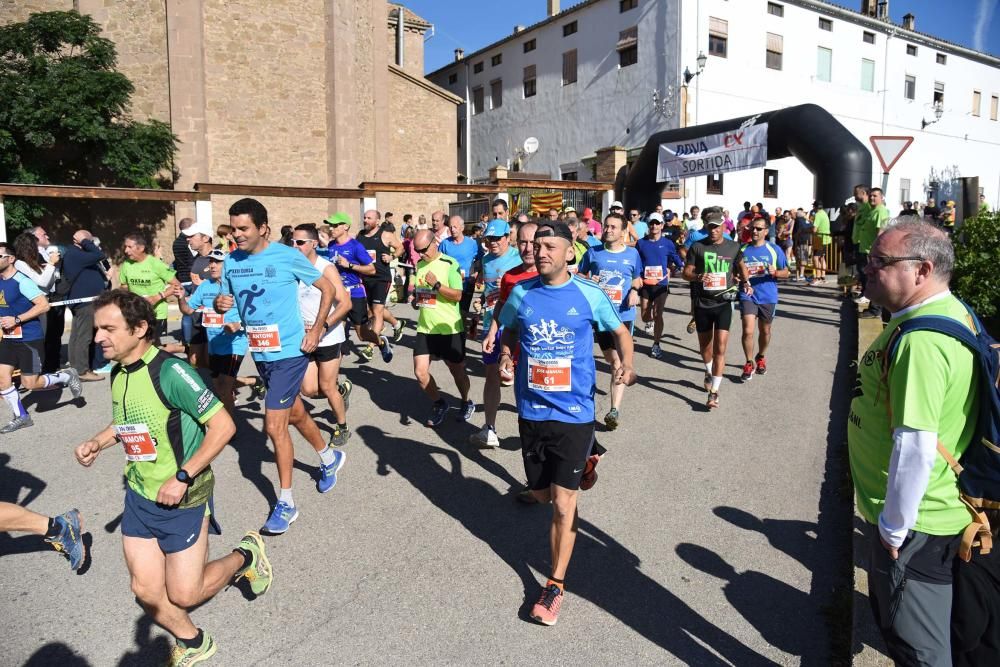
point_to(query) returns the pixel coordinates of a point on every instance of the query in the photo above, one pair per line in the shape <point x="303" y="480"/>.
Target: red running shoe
<point x="747" y="372"/>
<point x="589" y="473"/>
<point x="761" y="365"/>
<point x="546" y="610"/>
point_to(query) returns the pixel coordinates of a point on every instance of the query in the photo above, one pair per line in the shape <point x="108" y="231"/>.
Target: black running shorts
<point x="555" y="452"/>
<point x="719" y="318"/>
<point x="448" y="347"/>
<point x="358" y="314"/>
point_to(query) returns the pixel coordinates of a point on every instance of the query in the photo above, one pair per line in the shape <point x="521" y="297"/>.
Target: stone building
<point x="299" y="93"/>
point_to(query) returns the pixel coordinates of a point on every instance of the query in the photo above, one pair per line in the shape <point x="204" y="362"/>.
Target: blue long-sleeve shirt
<point x="80" y="268"/>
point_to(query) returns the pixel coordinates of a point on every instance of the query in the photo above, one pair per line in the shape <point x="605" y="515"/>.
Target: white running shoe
<point x="485" y="438"/>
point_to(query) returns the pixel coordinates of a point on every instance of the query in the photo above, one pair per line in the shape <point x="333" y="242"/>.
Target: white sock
<point x="708" y="367"/>
<point x="62" y="377"/>
<point x="14" y="401"/>
<point x="285" y="496"/>
<point x="326" y="455"/>
<point x="716" y="383"/>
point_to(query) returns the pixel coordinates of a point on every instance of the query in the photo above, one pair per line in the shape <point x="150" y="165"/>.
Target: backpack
<point x="978" y="470"/>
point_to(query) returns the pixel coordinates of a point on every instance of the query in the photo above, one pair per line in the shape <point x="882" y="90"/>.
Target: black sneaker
<point x="438" y="412"/>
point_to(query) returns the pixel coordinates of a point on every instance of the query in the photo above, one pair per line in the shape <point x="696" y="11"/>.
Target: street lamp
<point x="938" y="112"/>
<point x="702" y="59"/>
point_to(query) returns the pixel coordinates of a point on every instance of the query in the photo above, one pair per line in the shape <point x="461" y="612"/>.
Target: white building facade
<point x="583" y="78"/>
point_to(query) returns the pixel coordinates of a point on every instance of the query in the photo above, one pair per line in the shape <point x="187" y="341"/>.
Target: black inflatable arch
<point x="836" y="158"/>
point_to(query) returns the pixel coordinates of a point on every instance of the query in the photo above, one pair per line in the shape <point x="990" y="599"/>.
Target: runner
<point x="466" y="252"/>
<point x="22" y="342"/>
<point x="764" y="262"/>
<point x="324" y="362"/>
<point x="440" y="331"/>
<point x="227" y="339"/>
<point x="658" y="254"/>
<point x="63" y="532"/>
<point x="199" y="241"/>
<point x="172" y="428"/>
<point x="549" y="319"/>
<point x="150" y="278"/>
<point x="618" y="270"/>
<point x="382" y="246"/>
<point x="354" y="263"/>
<point x="260" y="278"/>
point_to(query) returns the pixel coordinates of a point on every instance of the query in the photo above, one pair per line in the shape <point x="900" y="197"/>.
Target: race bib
<point x="549" y="374"/>
<point x="715" y="281"/>
<point x="211" y="319"/>
<point x="371" y="253"/>
<point x="137" y="441"/>
<point x="491" y="298"/>
<point x="614" y="292"/>
<point x="757" y="268"/>
<point x="13" y="334"/>
<point x="652" y="274"/>
<point x="426" y="298"/>
<point x="264" y="338"/>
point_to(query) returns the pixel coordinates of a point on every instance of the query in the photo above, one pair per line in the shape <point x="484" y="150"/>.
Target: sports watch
<point x="183" y="477"/>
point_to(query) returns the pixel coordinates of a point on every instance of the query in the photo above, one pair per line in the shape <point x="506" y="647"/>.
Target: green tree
<point x="64" y="119"/>
<point x="977" y="255"/>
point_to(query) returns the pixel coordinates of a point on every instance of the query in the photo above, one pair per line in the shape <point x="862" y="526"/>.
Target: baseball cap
<point x="554" y="228"/>
<point x="588" y="211"/>
<point x="569" y="209"/>
<point x="338" y="219"/>
<point x="497" y="227"/>
<point x="669" y="216"/>
<point x="617" y="204"/>
<point x="197" y="228"/>
<point x="217" y="255"/>
<point x="655" y="216"/>
<point x="712" y="216"/>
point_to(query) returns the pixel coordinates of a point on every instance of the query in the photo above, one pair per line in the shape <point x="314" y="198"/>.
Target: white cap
<point x="617" y="204"/>
<point x="198" y="229"/>
<point x="656" y="216"/>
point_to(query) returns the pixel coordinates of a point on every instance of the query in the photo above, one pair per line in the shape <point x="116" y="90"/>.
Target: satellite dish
<point x="530" y="145"/>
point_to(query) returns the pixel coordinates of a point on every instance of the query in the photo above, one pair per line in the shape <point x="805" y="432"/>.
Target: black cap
<point x="554" y="228"/>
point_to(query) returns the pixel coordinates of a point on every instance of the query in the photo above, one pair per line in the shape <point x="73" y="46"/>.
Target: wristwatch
<point x="183" y="477"/>
<point x="17" y="321"/>
<point x="436" y="286"/>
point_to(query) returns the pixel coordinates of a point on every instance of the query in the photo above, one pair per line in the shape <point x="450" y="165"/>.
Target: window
<point x="824" y="64"/>
<point x="825" y="24"/>
<point x="714" y="186"/>
<point x="941" y="59"/>
<point x="904" y="189"/>
<point x="911" y="50"/>
<point x="770" y="182"/>
<point x="461" y="132"/>
<point x="496" y="60"/>
<point x="452" y="78"/>
<point x="529" y="46"/>
<point x="774" y="9"/>
<point x="718" y="37"/>
<point x="569" y="176"/>
<point x="529" y="81"/>
<point x="994" y="103"/>
<point x="775" y="48"/>
<point x="629" y="56"/>
<point x="868" y="75"/>
<point x="569" y="67"/>
<point x="625" y="5"/>
<point x="977" y="99"/>
<point x="477" y="100"/>
<point x="478" y="67"/>
<point x="868" y="37"/>
<point x="628" y="46"/>
<point x="496" y="93"/>
<point x="938" y="93"/>
<point x="910" y="87"/>
<point x="569" y="29"/>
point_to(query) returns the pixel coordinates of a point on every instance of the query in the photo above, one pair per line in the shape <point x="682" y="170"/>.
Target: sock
<point x="326" y="456"/>
<point x="247" y="557"/>
<point x="53" y="530"/>
<point x="285" y="495"/>
<point x="14" y="401"/>
<point x="716" y="383"/>
<point x="194" y="642"/>
<point x="557" y="582"/>
<point x="708" y="367"/>
<point x="61" y="377"/>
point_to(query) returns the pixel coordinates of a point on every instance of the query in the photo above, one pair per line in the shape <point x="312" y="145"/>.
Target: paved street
<point x="710" y="538"/>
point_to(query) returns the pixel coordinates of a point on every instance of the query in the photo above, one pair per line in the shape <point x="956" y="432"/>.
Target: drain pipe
<point x="399" y="37"/>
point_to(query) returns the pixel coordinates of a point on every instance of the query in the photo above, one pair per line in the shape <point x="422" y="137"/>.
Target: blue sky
<point x="472" y="24"/>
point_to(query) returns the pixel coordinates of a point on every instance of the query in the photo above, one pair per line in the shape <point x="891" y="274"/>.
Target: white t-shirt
<point x="309" y="298"/>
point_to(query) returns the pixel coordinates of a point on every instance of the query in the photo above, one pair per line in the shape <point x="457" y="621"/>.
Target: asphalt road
<point x="710" y="538"/>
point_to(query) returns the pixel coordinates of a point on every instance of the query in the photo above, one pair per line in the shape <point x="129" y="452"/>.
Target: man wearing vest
<point x="902" y="408"/>
<point x="764" y="262"/>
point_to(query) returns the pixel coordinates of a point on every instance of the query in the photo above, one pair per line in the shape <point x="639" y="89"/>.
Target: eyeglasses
<point x="493" y="239"/>
<point x="302" y="241"/>
<point x="2" y="256"/>
<point x="880" y="261"/>
<point x="759" y="229"/>
<point x="423" y="251"/>
<point x="656" y="222"/>
<point x="634" y="215"/>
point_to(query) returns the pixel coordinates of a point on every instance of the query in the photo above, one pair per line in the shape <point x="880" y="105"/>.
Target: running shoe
<point x="397" y="332"/>
<point x="385" y="349"/>
<point x="340" y="436"/>
<point x="328" y="473"/>
<point x="485" y="438"/>
<point x="73" y="384"/>
<point x="438" y="412"/>
<point x="17" y="423"/>
<point x="649" y="328"/>
<point x="281" y="518"/>
<point x="708" y="382"/>
<point x="655" y="351"/>
<point x="258" y="572"/>
<point x="761" y="365"/>
<point x="345" y="387"/>
<point x="611" y="419"/>
<point x="862" y="300"/>
<point x="366" y="352"/>
<point x="103" y="370"/>
<point x="527" y="497"/>
<point x="590" y="473"/>
<point x="546" y="610"/>
<point x="259" y="389"/>
<point x="468" y="409"/>
<point x="713" y="400"/>
<point x="748" y="369"/>
<point x="69" y="541"/>
<point x="691" y="327"/>
<point x="181" y="656"/>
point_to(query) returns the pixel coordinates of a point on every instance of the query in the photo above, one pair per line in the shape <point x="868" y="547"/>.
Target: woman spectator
<point x="408" y="262"/>
<point x="27" y="261"/>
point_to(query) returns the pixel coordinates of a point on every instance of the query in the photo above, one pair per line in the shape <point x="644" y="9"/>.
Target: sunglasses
<point x="656" y="222"/>
<point x="423" y="251"/>
<point x="493" y="239"/>
<point x="2" y="256"/>
<point x="759" y="229"/>
<point x="302" y="241"/>
<point x="880" y="261"/>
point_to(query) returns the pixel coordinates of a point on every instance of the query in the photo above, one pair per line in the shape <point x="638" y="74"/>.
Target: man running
<point x="658" y="254"/>
<point x="63" y="532"/>
<point x="618" y="270"/>
<point x="261" y="279"/>
<point x="324" y="362"/>
<point x="382" y="246"/>
<point x="150" y="278"/>
<point x="710" y="267"/>
<point x="550" y="319"/>
<point x="440" y="330"/>
<point x="764" y="262"/>
<point x="22" y="342"/>
<point x="171" y="428"/>
<point x="465" y="251"/>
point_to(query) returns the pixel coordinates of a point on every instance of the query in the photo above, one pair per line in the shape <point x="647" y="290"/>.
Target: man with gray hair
<point x="902" y="409"/>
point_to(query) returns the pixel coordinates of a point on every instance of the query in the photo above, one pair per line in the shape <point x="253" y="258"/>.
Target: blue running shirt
<point x="355" y="253"/>
<point x="656" y="258"/>
<point x="555" y="371"/>
<point x="757" y="259"/>
<point x="494" y="266"/>
<point x="265" y="287"/>
<point x="220" y="341"/>
<point x="465" y="253"/>
<point x="17" y="295"/>
<point x="614" y="272"/>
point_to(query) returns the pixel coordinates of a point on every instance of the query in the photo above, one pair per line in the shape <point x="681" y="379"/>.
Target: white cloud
<point x="984" y="15"/>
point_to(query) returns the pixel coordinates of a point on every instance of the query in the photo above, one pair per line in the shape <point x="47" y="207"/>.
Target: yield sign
<point x="890" y="149"/>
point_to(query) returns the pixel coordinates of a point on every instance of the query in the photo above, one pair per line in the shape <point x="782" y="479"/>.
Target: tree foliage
<point x="65" y="117"/>
<point x="977" y="255"/>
